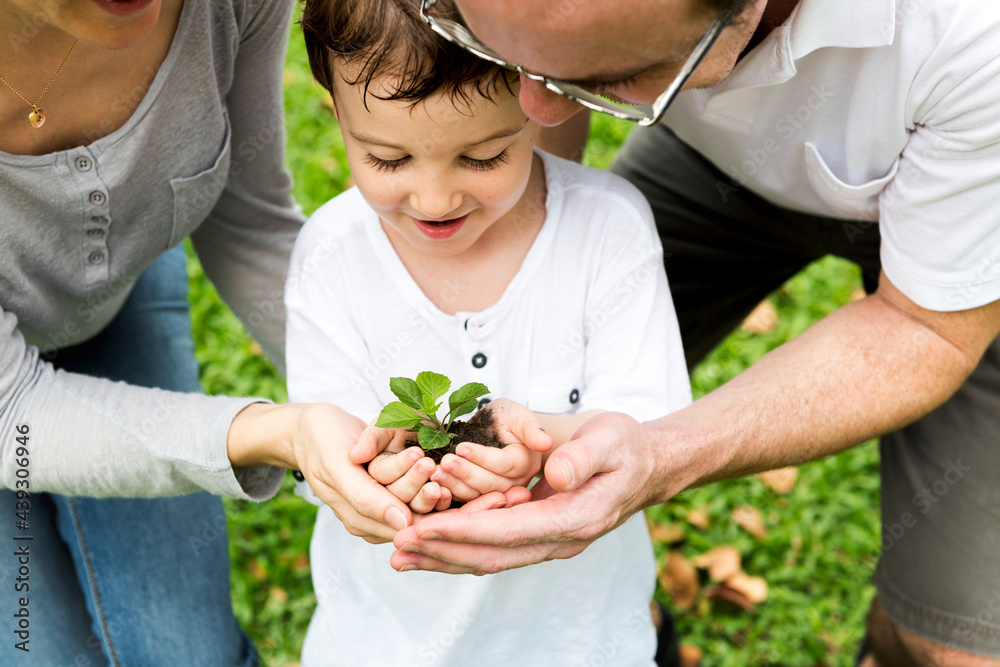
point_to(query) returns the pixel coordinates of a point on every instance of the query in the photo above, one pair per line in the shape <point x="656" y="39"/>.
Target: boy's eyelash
<point x="486" y="165"/>
<point x="381" y="165"/>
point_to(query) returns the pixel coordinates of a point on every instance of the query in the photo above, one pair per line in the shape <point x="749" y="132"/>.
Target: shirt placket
<point x="96" y="223"/>
<point x="477" y="339"/>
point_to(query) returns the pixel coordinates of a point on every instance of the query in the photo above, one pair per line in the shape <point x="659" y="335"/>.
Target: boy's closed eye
<point x="382" y="165"/>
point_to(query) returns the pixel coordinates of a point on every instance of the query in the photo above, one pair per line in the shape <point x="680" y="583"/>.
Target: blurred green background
<point x="820" y="542"/>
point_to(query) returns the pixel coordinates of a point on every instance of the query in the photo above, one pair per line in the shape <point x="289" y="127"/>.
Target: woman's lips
<point x="123" y="7"/>
<point x="439" y="231"/>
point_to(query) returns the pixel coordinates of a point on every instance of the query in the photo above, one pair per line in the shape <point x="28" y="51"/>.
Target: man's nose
<point x="542" y="105"/>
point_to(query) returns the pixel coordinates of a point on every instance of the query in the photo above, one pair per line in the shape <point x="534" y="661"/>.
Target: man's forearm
<point x="863" y="371"/>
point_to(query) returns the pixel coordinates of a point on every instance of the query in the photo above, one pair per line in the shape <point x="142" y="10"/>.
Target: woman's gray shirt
<point x="201" y="156"/>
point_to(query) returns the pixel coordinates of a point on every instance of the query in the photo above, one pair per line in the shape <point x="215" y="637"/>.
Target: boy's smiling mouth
<point x="440" y="229"/>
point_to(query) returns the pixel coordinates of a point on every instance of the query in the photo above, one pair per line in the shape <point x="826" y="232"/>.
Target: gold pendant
<point x="36" y="118"/>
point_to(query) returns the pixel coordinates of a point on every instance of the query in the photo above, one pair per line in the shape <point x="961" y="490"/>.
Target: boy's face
<point x="440" y="173"/>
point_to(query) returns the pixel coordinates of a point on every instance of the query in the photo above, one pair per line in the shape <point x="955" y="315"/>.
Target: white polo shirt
<point x="873" y="110"/>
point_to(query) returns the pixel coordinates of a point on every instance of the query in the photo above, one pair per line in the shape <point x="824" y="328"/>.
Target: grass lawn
<point x="821" y="539"/>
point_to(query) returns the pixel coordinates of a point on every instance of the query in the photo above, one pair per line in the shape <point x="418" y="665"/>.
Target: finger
<point x="458" y="488"/>
<point x="445" y="501"/>
<point x="577" y="461"/>
<point x="511" y="461"/>
<point x="473" y="475"/>
<point x="521" y="425"/>
<point x="359" y="526"/>
<point x="360" y="501"/>
<point x="480" y="559"/>
<point x="408" y="486"/>
<point x="488" y="501"/>
<point x="517" y="495"/>
<point x="374" y="440"/>
<point x="563" y="517"/>
<point x="388" y="467"/>
<point x="426" y="499"/>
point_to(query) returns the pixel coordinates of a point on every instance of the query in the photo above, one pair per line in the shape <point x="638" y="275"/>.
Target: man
<point x="864" y="128"/>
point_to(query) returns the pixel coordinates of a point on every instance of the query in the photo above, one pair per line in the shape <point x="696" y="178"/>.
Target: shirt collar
<point x="851" y="24"/>
<point x="814" y="24"/>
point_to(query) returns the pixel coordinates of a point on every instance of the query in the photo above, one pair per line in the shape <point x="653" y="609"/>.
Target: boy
<point x="466" y="252"/>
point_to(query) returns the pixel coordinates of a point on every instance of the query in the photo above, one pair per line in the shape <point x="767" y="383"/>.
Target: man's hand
<point x="592" y="484"/>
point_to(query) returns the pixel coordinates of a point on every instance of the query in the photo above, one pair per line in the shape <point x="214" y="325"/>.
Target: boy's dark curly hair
<point x="389" y="37"/>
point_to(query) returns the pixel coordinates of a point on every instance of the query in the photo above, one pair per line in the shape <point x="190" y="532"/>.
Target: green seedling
<point x="416" y="409"/>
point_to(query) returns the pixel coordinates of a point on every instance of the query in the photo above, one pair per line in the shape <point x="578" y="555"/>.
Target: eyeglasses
<point x="643" y="114"/>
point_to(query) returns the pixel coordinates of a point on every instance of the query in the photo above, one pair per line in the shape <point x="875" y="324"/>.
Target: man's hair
<point x="720" y="6"/>
<point x="389" y="37"/>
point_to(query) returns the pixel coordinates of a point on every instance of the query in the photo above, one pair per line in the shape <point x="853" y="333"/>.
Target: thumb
<point x="575" y="462"/>
<point x="369" y="444"/>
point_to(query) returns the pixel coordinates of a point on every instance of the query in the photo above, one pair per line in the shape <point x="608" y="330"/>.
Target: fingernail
<point x="450" y="466"/>
<point x="463" y="450"/>
<point x="498" y="505"/>
<point x="409" y="567"/>
<point x="431" y="536"/>
<point x="409" y="546"/>
<point x="567" y="470"/>
<point x="415" y="456"/>
<point x="395" y="519"/>
<point x="438" y="477"/>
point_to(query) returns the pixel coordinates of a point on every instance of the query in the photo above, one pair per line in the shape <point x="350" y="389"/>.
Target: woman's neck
<point x="30" y="40"/>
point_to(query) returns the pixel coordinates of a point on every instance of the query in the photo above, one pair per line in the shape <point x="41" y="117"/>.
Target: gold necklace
<point x="37" y="117"/>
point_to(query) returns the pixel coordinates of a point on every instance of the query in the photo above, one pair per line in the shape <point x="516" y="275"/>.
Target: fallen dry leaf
<point x="721" y="563"/>
<point x="690" y="655"/>
<point x="754" y="588"/>
<point x="762" y="320"/>
<point x="723" y="592"/>
<point x="301" y="563"/>
<point x="750" y="519"/>
<point x="680" y="580"/>
<point x="256" y="571"/>
<point x="666" y="534"/>
<point x="698" y="519"/>
<point x="781" y="480"/>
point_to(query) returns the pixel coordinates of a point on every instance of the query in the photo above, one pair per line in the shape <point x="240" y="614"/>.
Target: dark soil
<point x="480" y="429"/>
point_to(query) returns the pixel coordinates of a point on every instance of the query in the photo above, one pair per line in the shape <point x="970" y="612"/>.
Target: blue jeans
<point x="130" y="582"/>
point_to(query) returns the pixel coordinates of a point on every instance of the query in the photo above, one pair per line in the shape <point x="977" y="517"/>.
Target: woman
<point x="125" y="127"/>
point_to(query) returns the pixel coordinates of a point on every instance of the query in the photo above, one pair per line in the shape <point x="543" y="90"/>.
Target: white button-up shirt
<point x="882" y="111"/>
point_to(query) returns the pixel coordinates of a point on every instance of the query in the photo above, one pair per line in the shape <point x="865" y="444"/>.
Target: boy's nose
<point x="435" y="203"/>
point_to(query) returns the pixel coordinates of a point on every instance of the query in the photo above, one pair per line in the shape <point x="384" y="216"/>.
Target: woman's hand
<point x="317" y="440"/>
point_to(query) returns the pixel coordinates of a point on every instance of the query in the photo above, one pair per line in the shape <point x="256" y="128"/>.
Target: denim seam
<point x="92" y="581"/>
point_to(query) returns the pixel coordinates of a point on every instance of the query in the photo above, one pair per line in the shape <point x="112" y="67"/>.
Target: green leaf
<point x="432" y="386"/>
<point x="398" y="415"/>
<point x="432" y="438"/>
<point x="407" y="391"/>
<point x="464" y="394"/>
<point x="463" y="408"/>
